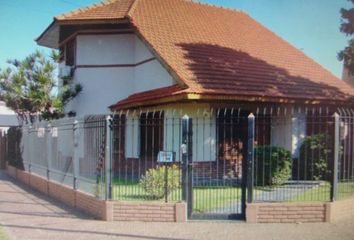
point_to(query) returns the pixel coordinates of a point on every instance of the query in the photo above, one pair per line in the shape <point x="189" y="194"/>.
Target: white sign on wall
<point x="165" y="157"/>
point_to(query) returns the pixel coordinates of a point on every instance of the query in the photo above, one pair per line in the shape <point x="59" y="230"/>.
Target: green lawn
<point x="204" y="198"/>
<point x="131" y="190"/>
<point x="319" y="194"/>
<point x="322" y="193"/>
<point x="215" y="197"/>
<point x="209" y="198"/>
<point x="345" y="190"/>
<point x="3" y="236"/>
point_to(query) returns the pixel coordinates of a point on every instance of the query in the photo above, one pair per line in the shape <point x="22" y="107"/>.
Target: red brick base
<point x="299" y="212"/>
<point x="176" y="212"/>
<point x="104" y="210"/>
<point x="167" y="212"/>
<point x="286" y="212"/>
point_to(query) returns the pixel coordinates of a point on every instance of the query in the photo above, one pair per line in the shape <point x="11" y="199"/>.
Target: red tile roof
<point x="220" y="51"/>
<point x="147" y="97"/>
<point x="114" y="10"/>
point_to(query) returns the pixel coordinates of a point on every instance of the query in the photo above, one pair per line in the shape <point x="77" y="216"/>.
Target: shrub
<point x="313" y="161"/>
<point x="154" y="181"/>
<point x="273" y="165"/>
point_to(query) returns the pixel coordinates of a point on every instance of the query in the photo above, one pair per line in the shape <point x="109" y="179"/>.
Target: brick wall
<point x="71" y="197"/>
<point x="341" y="209"/>
<point x="105" y="210"/>
<point x="286" y="212"/>
<point x="62" y="193"/>
<point x="152" y="212"/>
<point x="176" y="212"/>
<point x="38" y="183"/>
<point x="302" y="212"/>
<point x="91" y="205"/>
<point x="11" y="171"/>
<point x="23" y="176"/>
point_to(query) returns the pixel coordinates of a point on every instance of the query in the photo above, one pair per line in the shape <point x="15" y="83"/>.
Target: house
<point x="7" y="117"/>
<point x="153" y="61"/>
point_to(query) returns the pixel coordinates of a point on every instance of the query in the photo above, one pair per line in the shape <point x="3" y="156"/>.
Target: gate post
<point x="334" y="185"/>
<point x="49" y="153"/>
<point x="29" y="138"/>
<point x="76" y="160"/>
<point x="186" y="149"/>
<point x="250" y="157"/>
<point x="108" y="157"/>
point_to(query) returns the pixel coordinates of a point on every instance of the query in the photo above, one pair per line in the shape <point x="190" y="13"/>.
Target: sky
<point x="310" y="25"/>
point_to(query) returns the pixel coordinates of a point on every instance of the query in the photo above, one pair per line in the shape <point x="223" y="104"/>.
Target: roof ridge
<point x="86" y="8"/>
<point x="81" y="9"/>
<point x="131" y="8"/>
<point x="214" y="5"/>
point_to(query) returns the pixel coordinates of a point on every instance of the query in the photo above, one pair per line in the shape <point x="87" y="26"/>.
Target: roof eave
<point x="50" y="36"/>
<point x="91" y="21"/>
<point x="153" y="102"/>
<point x="185" y="97"/>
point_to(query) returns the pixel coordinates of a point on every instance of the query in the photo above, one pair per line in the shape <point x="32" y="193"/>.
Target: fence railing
<point x="68" y="151"/>
<point x="296" y="161"/>
<point x="278" y="155"/>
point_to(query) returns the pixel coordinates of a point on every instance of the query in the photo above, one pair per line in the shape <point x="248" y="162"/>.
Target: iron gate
<point x="209" y="169"/>
<point x="216" y="188"/>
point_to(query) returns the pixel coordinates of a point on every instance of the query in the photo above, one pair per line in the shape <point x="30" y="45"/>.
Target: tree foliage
<point x="30" y="88"/>
<point x="347" y="27"/>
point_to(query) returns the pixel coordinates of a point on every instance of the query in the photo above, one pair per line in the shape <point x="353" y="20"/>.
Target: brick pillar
<point x="251" y="213"/>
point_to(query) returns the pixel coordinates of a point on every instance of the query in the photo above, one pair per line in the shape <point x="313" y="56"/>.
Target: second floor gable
<point x="105" y="50"/>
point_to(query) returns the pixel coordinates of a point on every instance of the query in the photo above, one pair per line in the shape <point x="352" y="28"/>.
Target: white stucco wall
<point x="151" y="75"/>
<point x="289" y="132"/>
<point x="7" y="117"/>
<point x="204" y="133"/>
<point x="281" y="132"/>
<point x="141" y="52"/>
<point x="132" y="136"/>
<point x="204" y="138"/>
<point x="105" y="49"/>
<point x="104" y="86"/>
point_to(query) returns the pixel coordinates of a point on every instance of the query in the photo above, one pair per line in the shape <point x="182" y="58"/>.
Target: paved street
<point x="25" y="214"/>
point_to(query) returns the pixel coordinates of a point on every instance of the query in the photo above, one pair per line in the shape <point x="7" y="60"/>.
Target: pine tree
<point x="347" y="27"/>
<point x="29" y="87"/>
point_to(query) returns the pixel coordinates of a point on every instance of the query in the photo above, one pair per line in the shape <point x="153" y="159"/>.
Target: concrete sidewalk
<point x="25" y="214"/>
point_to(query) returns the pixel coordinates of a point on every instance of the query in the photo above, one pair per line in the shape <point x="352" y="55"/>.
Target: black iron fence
<point x="69" y="151"/>
<point x="345" y="169"/>
<point x="215" y="159"/>
<point x="294" y="155"/>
